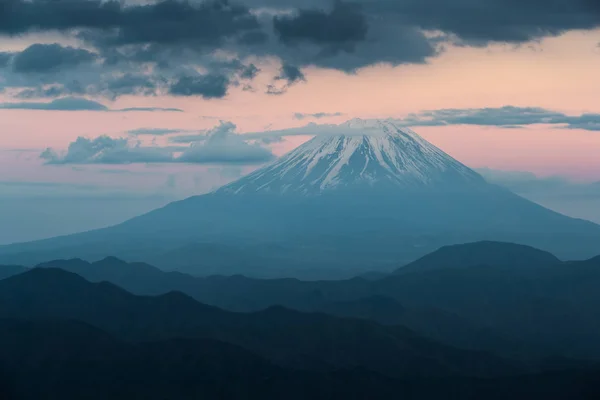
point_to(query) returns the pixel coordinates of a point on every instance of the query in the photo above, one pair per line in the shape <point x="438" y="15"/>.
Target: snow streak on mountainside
<point x="372" y="153"/>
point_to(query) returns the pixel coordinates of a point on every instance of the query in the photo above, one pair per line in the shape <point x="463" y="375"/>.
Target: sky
<point x="109" y="109"/>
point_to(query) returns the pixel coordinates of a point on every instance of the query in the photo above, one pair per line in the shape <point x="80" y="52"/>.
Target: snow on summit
<point x="357" y="153"/>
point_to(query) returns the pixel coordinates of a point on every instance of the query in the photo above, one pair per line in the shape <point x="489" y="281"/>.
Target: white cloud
<point x="224" y="146"/>
<point x="221" y="146"/>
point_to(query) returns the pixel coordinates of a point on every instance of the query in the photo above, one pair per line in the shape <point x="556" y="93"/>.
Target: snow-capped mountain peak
<point x="358" y="153"/>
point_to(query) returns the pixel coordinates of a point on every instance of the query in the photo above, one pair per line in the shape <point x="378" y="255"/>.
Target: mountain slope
<point x="495" y="302"/>
<point x="509" y="293"/>
<point x="286" y="337"/>
<point x="371" y="198"/>
<point x="87" y="363"/>
<point x="10" y="270"/>
<point x="243" y="294"/>
<point x="373" y="153"/>
<point x="482" y="254"/>
<point x="496" y="297"/>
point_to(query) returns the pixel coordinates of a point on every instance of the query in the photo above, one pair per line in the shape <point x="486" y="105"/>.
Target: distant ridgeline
<point x="484" y="320"/>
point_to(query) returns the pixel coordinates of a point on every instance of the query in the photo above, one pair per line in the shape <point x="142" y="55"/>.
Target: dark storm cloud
<point x="41" y="58"/>
<point x="210" y="86"/>
<point x="339" y="28"/>
<point x="475" y="22"/>
<point x="290" y="75"/>
<point x="317" y="39"/>
<point x="209" y="23"/>
<point x="235" y="69"/>
<point x="173" y="22"/>
<point x="18" y="16"/>
<point x="249" y="72"/>
<point x="128" y="84"/>
<point x="155" y="48"/>
<point x="72" y="88"/>
<point x="175" y="37"/>
<point x="479" y="22"/>
<point x="167" y="21"/>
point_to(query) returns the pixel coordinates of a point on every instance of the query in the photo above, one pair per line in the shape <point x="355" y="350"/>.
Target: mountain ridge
<point x="380" y="153"/>
<point x="482" y="254"/>
<point x="286" y="337"/>
<point x="344" y="212"/>
<point x="524" y="303"/>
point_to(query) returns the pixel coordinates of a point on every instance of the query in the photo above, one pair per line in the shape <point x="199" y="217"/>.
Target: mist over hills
<point x="367" y="199"/>
<point x="498" y="321"/>
<point x="290" y="338"/>
<point x="499" y="297"/>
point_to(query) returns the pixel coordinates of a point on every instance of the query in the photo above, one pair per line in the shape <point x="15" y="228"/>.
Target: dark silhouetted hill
<point x="289" y="338"/>
<point x="516" y="304"/>
<point x="10" y="270"/>
<point x="70" y="360"/>
<point x="484" y="254"/>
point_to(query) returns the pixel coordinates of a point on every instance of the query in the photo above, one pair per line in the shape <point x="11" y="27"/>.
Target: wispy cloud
<point x="198" y="137"/>
<point x="506" y="117"/>
<point x="222" y="145"/>
<point x="577" y="199"/>
<point x="40" y="184"/>
<point x="148" y="109"/>
<point x="529" y="184"/>
<point x="64" y="104"/>
<point x="154" y="131"/>
<point x="77" y="104"/>
<point x="106" y="150"/>
<point x="319" y="115"/>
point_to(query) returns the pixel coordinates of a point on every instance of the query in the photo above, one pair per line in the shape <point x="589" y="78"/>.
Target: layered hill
<point x="306" y="341"/>
<point x="498" y="297"/>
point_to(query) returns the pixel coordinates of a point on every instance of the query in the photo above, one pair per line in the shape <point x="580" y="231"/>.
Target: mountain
<point x="484" y="254"/>
<point x="56" y="359"/>
<point x="288" y="338"/>
<point x="70" y="360"/>
<point x="371" y="197"/>
<point x="10" y="270"/>
<point x="89" y="363"/>
<point x="374" y="154"/>
<point x="62" y="337"/>
<point x="113" y="270"/>
<point x="495" y="297"/>
<point x="244" y="294"/>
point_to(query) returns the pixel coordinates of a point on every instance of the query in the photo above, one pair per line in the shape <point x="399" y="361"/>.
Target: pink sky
<point x="558" y="73"/>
